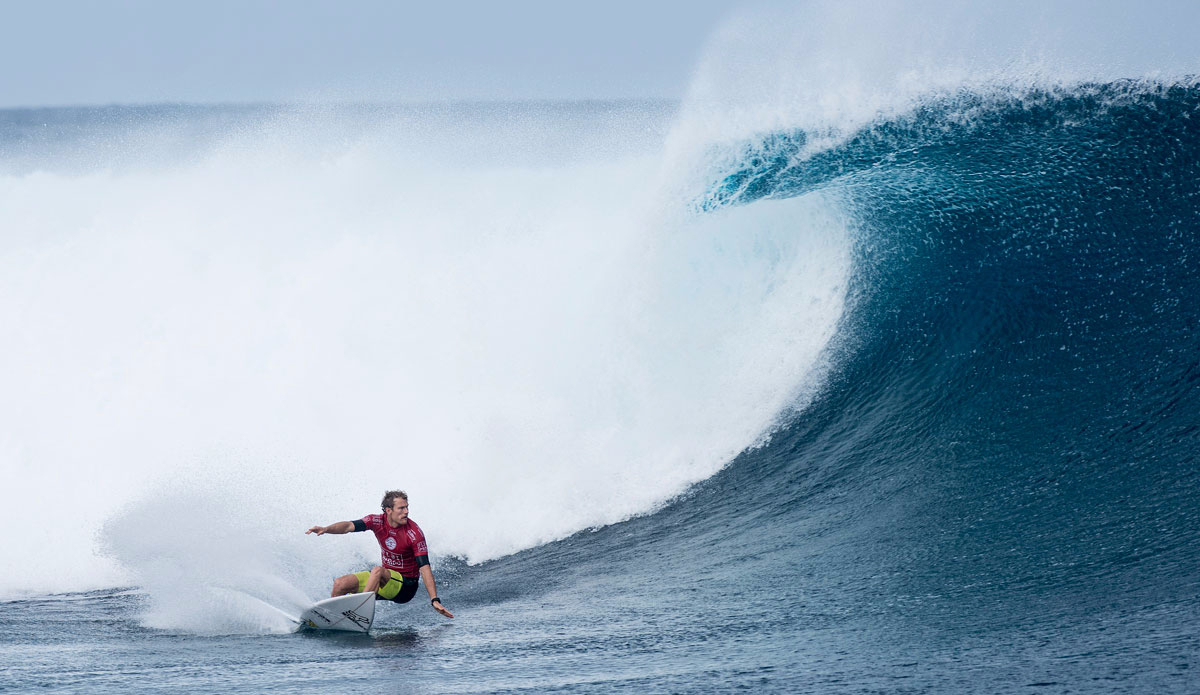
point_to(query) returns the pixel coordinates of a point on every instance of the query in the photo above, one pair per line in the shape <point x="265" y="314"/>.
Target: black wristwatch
<point x="434" y="600"/>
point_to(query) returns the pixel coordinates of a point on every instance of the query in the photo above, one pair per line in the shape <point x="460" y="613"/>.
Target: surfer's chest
<point x="397" y="540"/>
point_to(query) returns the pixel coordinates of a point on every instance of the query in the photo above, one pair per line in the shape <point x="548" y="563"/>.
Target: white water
<point x="518" y="324"/>
<point x="830" y="67"/>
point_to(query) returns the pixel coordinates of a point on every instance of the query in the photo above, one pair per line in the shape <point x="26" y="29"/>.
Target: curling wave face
<point x="1013" y="415"/>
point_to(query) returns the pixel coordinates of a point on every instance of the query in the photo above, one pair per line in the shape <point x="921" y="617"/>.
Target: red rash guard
<point x="403" y="547"/>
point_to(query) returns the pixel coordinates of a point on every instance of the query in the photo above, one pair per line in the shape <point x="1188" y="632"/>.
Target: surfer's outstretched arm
<point x="427" y="577"/>
<point x="339" y="527"/>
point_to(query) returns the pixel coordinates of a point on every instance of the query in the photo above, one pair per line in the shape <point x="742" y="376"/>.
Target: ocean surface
<point x="683" y="404"/>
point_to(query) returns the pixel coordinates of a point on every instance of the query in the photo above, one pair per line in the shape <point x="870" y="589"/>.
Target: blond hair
<point x="389" y="498"/>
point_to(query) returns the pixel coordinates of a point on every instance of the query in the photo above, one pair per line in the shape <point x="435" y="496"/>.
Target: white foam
<point x="829" y="67"/>
<point x="209" y="356"/>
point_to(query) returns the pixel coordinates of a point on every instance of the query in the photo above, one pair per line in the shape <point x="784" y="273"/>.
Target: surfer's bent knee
<point x="344" y="584"/>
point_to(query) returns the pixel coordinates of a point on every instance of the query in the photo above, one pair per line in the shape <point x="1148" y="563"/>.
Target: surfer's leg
<point x="394" y="589"/>
<point x="345" y="584"/>
<point x="378" y="580"/>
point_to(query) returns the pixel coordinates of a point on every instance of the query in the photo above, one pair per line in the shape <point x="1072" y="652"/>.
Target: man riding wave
<point x="405" y="556"/>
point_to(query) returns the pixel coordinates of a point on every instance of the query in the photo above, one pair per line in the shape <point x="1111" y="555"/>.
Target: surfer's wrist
<point x="434" y="600"/>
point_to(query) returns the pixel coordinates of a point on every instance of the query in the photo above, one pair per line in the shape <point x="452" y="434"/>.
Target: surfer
<point x="405" y="555"/>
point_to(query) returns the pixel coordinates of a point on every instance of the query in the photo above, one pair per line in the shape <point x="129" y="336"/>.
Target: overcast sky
<point x="72" y="52"/>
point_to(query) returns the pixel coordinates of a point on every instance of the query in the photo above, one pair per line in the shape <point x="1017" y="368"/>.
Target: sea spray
<point x="529" y="348"/>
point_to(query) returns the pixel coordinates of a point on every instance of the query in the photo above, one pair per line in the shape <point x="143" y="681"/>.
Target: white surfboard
<point x="351" y="613"/>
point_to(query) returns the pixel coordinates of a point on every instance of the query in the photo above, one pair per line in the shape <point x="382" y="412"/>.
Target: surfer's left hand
<point x="437" y="606"/>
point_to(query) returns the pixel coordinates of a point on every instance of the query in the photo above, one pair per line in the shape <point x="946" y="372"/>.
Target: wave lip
<point x="797" y="82"/>
<point x="977" y="127"/>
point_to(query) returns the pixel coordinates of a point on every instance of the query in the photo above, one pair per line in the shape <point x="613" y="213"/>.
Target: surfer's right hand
<point x="319" y="530"/>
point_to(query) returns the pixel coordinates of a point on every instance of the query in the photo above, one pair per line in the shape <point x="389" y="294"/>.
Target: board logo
<point x="390" y="543"/>
<point x="363" y="621"/>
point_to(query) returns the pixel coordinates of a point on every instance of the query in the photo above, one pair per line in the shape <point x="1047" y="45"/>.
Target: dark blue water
<point x="994" y="491"/>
